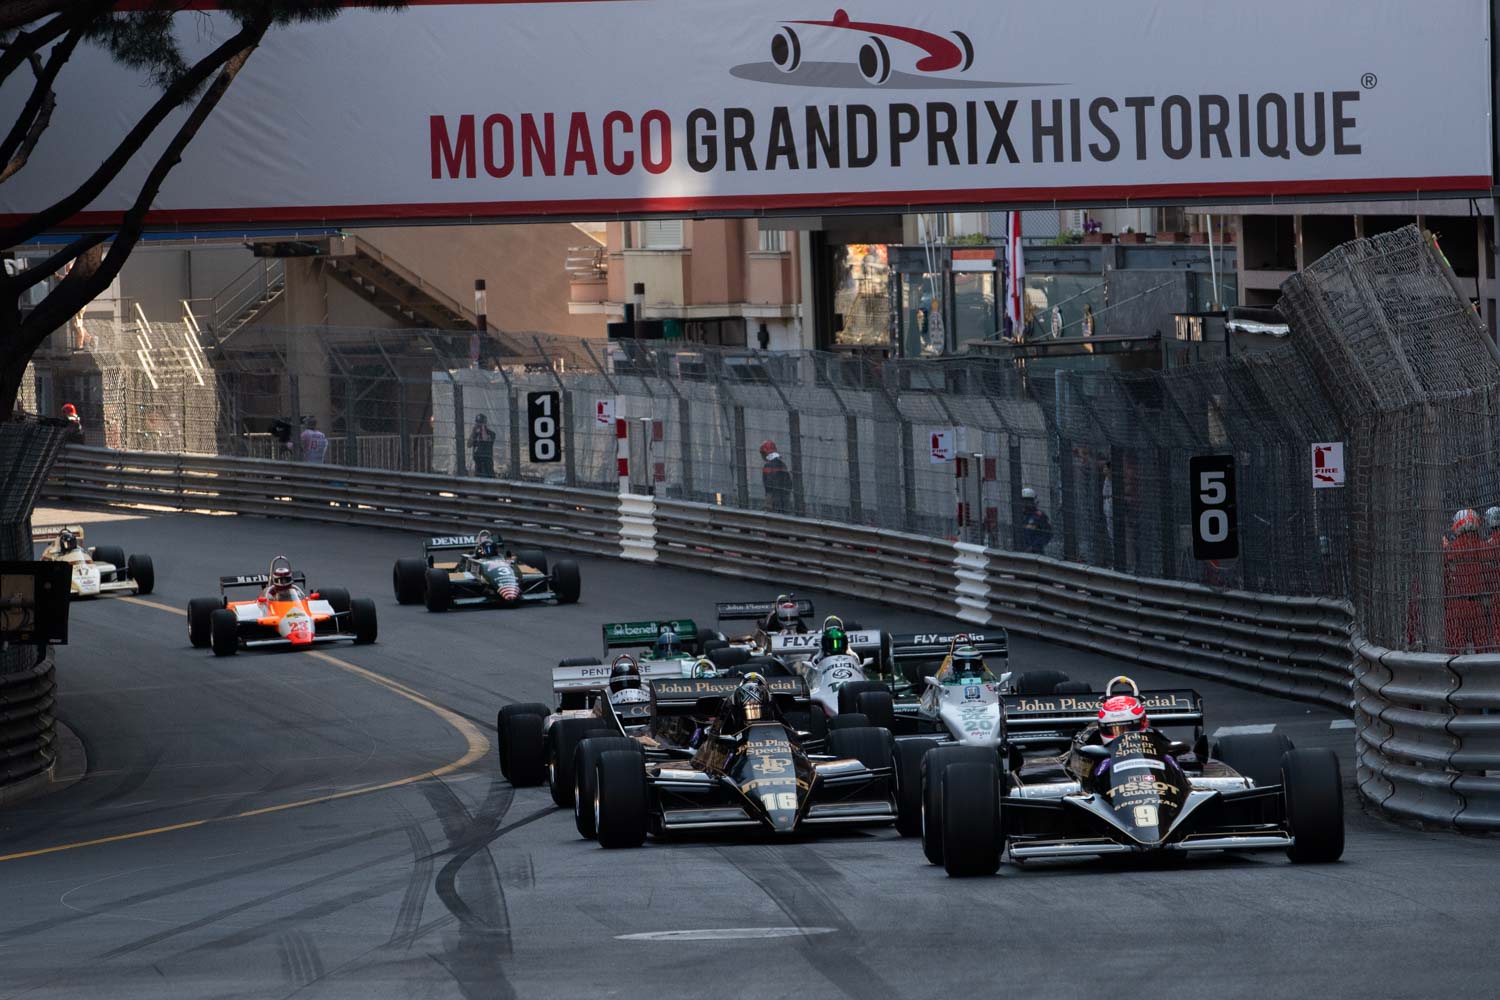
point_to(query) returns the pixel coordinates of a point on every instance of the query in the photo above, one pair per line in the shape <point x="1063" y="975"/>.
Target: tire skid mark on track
<point x="301" y="963"/>
<point x="484" y="933"/>
<point x="795" y="878"/>
<point x="409" y="915"/>
<point x="478" y="747"/>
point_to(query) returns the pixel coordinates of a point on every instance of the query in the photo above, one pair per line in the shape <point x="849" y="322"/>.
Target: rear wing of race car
<point x="924" y="647"/>
<point x="730" y="611"/>
<point x="595" y="676"/>
<point x="701" y="695"/>
<point x="449" y="543"/>
<point x="1054" y="719"/>
<point x="633" y="635"/>
<point x="864" y="643"/>
<point x="257" y="580"/>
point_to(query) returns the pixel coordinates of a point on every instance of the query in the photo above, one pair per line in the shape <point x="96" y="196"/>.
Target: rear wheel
<point x="523" y="749"/>
<point x="620" y="799"/>
<point x="729" y="657"/>
<point x="112" y="554"/>
<point x="1036" y="682"/>
<point x="578" y="661"/>
<point x="851" y="690"/>
<point x="878" y="706"/>
<point x="585" y="763"/>
<point x="1255" y="755"/>
<point x="535" y="558"/>
<point x="1072" y="687"/>
<point x="1314" y="795"/>
<point x="409" y="578"/>
<point x="932" y="792"/>
<point x="142" y="572"/>
<point x="337" y="598"/>
<point x="439" y="595"/>
<point x="972" y="839"/>
<point x="200" y="610"/>
<point x="909" y="754"/>
<point x="565" y="581"/>
<point x="223" y="632"/>
<point x="562" y="739"/>
<point x="871" y="746"/>
<point x="502" y="720"/>
<point x="853" y="720"/>
<point x="362" y="621"/>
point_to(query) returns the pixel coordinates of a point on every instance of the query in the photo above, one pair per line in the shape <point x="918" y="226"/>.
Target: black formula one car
<point x="485" y="573"/>
<point x="698" y="754"/>
<point x="1141" y="793"/>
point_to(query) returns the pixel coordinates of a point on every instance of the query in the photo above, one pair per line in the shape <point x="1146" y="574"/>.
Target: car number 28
<point x="779" y="800"/>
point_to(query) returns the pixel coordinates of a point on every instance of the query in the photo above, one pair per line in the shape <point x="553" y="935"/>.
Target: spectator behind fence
<point x="75" y="425"/>
<point x="1466" y="559"/>
<point x="281" y="433"/>
<point x="314" y="443"/>
<point x="1036" y="526"/>
<point x="482" y="443"/>
<point x="776" y="478"/>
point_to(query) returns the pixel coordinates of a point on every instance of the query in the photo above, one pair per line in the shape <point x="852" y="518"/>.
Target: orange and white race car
<point x="285" y="614"/>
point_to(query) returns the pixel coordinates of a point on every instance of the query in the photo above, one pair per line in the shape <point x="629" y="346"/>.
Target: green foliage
<point x="970" y="240"/>
<point x="1067" y="239"/>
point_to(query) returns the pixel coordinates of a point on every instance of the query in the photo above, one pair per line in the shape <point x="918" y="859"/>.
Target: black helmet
<point x="281" y="572"/>
<point x="668" y="646"/>
<point x="624" y="674"/>
<point x="66" y="540"/>
<point x="751" y="701"/>
<point x="967" y="662"/>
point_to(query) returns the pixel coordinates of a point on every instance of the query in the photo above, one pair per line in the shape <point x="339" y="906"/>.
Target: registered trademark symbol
<point x="1368" y="81"/>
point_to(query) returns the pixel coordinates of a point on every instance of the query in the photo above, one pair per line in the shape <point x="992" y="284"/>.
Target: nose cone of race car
<point x="766" y="774"/>
<point x="296" y="626"/>
<point x="511" y="593"/>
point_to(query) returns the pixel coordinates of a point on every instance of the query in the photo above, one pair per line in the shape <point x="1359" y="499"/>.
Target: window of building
<point x="861" y="275"/>
<point x="773" y="240"/>
<point x="660" y="234"/>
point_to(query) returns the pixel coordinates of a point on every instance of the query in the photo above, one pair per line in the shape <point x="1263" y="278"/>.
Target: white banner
<point x="475" y="110"/>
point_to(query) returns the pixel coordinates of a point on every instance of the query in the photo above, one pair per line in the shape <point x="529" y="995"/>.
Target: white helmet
<point x="1028" y="493"/>
<point x="1492" y="518"/>
<point x="1465" y="520"/>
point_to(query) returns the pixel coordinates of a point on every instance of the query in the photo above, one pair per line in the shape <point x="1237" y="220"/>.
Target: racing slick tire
<point x="579" y="661"/>
<point x="1255" y="755"/>
<point x="619" y="805"/>
<point x="729" y="657"/>
<point x="972" y="840"/>
<point x="439" y="596"/>
<point x="566" y="583"/>
<point x="878" y="706"/>
<point x="141" y="570"/>
<point x="535" y="558"/>
<point x="585" y="768"/>
<point x="363" y="621"/>
<point x="1073" y="687"/>
<point x="850" y="720"/>
<point x="1035" y="682"/>
<point x="704" y="636"/>
<point x="409" y="580"/>
<point x="849" y="693"/>
<point x="812" y="722"/>
<point x="200" y="610"/>
<point x="337" y="597"/>
<point x="563" y="737"/>
<point x="870" y="745"/>
<point x="502" y="719"/>
<point x="933" y="765"/>
<point x="908" y="781"/>
<point x="522" y="743"/>
<point x="709" y="645"/>
<point x="1314" y="795"/>
<point x="223" y="632"/>
<point x="112" y="554"/>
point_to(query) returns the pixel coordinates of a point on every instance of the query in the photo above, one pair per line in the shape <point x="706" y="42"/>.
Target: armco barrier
<point x="1428" y="735"/>
<point x="1426" y="743"/>
<point x="27" y="698"/>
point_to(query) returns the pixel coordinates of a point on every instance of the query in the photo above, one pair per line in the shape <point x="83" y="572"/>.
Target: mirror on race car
<point x="1094" y="751"/>
<point x="930" y="681"/>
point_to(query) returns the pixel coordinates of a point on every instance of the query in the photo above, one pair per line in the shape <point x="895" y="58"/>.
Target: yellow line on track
<point x="479" y="745"/>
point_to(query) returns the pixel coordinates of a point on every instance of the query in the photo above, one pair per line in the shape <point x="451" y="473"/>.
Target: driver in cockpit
<point x="965" y="664"/>
<point x="282" y="586"/>
<point x="668" y="646"/>
<point x="487" y="546"/>
<point x="783" y="617"/>
<point x="625" y="686"/>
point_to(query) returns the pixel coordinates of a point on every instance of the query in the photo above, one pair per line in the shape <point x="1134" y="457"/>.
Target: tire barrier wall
<point x="1428" y="735"/>
<point x="27" y="729"/>
<point x="1297" y="647"/>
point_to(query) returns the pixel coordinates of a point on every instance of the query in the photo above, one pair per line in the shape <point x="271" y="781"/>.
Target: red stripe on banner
<point x="660" y="472"/>
<point x="475" y="211"/>
<point x="620" y="431"/>
<point x="622" y="467"/>
<point x="656" y="430"/>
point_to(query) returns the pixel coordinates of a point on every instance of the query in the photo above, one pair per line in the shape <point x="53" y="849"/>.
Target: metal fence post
<point x="685" y="445"/>
<point x="1067" y="478"/>
<point x="460" y="461"/>
<point x="1016" y="485"/>
<point x="851" y="446"/>
<point x="741" y="472"/>
<point x="794" y="429"/>
<point x="1113" y="520"/>
<point x="908" y="478"/>
<point x="1167" y="487"/>
<point x="294" y="392"/>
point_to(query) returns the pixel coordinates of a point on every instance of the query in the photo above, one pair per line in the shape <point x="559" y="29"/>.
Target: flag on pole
<point x="1015" y="276"/>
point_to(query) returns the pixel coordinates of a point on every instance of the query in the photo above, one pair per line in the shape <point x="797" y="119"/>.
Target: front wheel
<point x="224" y="632"/>
<point x="523" y="750"/>
<point x="362" y="621"/>
<point x="585" y="767"/>
<point x="870" y="745"/>
<point x="909" y="754"/>
<point x="439" y="590"/>
<point x="1314" y="794"/>
<point x="141" y="570"/>
<point x="566" y="583"/>
<point x="200" y="612"/>
<point x="972" y="838"/>
<point x="502" y="720"/>
<point x="620" y="799"/>
<point x="933" y="765"/>
<point x="409" y="579"/>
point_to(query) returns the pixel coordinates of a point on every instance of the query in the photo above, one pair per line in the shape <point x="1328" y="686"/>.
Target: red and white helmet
<point x="1121" y="714"/>
<point x="1465" y="520"/>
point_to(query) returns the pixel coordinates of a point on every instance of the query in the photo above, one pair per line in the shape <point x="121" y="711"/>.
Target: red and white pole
<point x="622" y="453"/>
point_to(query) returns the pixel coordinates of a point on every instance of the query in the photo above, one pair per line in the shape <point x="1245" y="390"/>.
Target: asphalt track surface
<point x="198" y="875"/>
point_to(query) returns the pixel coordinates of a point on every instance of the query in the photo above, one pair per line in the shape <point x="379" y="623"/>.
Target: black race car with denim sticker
<point x="481" y="570"/>
<point x="1122" y="786"/>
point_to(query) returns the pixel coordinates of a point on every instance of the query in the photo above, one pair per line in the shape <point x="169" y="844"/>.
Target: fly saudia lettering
<point x="939" y="134"/>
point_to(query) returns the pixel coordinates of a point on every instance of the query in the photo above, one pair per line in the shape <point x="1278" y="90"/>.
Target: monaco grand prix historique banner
<point x="490" y="110"/>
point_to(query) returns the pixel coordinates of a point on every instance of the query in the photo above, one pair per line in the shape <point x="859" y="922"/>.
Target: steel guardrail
<point x="1428" y="726"/>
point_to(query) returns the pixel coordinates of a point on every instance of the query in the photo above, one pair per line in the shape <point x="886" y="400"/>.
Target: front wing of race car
<point x="256" y="635"/>
<point x="842" y="792"/>
<point x="91" y="579"/>
<point x="470" y="590"/>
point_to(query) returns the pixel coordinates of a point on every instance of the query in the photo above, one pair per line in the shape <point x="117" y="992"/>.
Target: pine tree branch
<point x="28" y="43"/>
<point x="71" y="295"/>
<point x="34" y="118"/>
<point x="174" y="97"/>
<point x="40" y="271"/>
